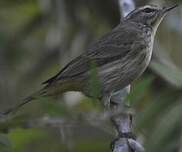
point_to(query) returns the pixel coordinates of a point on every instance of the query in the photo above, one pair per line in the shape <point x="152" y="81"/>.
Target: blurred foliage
<point x="38" y="37"/>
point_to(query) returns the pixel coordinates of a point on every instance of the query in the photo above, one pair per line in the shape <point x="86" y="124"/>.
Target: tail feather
<point x="14" y="109"/>
<point x="49" y="90"/>
<point x="25" y="101"/>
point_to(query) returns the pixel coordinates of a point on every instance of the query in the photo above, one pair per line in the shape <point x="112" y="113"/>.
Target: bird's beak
<point x="162" y="13"/>
<point x="167" y="9"/>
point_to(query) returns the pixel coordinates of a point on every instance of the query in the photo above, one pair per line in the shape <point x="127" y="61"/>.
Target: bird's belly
<point x="118" y="74"/>
<point x="121" y="73"/>
<point x="134" y="69"/>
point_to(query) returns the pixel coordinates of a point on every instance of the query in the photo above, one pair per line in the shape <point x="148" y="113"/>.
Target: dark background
<point x="38" y="37"/>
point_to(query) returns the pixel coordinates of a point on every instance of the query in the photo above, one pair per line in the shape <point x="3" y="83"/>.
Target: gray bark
<point x="125" y="142"/>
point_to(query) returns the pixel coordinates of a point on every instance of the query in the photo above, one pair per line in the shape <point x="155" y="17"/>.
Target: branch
<point x="122" y="122"/>
<point x="126" y="6"/>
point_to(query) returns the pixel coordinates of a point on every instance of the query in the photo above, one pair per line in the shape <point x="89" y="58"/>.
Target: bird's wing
<point x="109" y="48"/>
<point x="81" y="64"/>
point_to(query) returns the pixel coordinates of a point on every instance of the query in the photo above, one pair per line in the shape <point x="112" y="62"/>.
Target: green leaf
<point x="154" y="108"/>
<point x="168" y="126"/>
<point x="20" y="137"/>
<point x="94" y="81"/>
<point x="87" y="145"/>
<point x="139" y="89"/>
<point x="169" y="72"/>
<point x="53" y="106"/>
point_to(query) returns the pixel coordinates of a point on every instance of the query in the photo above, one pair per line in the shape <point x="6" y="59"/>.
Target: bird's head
<point x="149" y="15"/>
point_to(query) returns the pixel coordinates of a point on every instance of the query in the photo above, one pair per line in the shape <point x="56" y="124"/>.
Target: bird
<point x="119" y="58"/>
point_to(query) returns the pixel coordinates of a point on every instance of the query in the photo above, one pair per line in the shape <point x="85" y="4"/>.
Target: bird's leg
<point x="119" y="97"/>
<point x="105" y="100"/>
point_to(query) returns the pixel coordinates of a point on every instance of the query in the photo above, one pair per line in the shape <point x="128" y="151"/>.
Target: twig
<point x="126" y="6"/>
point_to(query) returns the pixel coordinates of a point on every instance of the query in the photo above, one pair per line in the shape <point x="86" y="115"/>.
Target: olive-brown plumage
<point x="120" y="57"/>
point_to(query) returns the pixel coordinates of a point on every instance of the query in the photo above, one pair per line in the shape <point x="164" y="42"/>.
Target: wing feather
<point x="109" y="48"/>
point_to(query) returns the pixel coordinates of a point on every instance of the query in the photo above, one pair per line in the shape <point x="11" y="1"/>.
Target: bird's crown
<point x="150" y="15"/>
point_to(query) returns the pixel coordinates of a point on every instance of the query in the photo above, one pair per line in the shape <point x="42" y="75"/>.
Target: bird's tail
<point x="47" y="91"/>
<point x="25" y="101"/>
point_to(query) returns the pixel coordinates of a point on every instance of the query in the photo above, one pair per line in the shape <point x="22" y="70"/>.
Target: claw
<point x="107" y="105"/>
<point x="106" y="101"/>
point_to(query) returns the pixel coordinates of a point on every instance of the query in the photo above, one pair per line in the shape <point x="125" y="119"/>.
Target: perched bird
<point x="120" y="57"/>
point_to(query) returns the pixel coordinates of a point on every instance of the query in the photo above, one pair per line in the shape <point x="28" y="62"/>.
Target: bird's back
<point x="113" y="54"/>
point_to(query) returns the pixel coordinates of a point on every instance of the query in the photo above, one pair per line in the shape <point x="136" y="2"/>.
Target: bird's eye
<point x="148" y="10"/>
